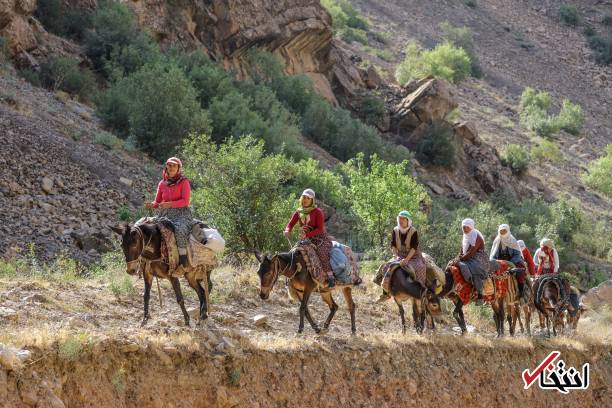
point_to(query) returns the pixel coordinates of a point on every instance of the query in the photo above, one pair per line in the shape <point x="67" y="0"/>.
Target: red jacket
<point x="178" y="194"/>
<point x="529" y="260"/>
<point x="315" y="222"/>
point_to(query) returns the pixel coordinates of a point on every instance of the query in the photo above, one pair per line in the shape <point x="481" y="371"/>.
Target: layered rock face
<point x="296" y="30"/>
<point x="16" y="26"/>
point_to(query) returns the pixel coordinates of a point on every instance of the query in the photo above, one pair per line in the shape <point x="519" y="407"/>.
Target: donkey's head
<point x="267" y="274"/>
<point x="132" y="245"/>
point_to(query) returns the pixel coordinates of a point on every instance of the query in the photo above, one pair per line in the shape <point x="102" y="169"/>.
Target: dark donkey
<point x="403" y="288"/>
<point x="142" y="246"/>
<point x="301" y="284"/>
<point x="551" y="298"/>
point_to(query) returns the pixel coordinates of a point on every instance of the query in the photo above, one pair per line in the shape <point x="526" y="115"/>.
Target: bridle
<point x="141" y="256"/>
<point x="276" y="267"/>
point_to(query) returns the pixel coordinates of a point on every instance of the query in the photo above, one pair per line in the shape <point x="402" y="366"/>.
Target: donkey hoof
<point x="144" y="322"/>
<point x="322" y="330"/>
<point x="353" y="332"/>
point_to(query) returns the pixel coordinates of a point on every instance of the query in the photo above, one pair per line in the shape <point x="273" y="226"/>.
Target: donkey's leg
<point x="148" y="280"/>
<point x="328" y="298"/>
<point x="176" y="285"/>
<point x="305" y="313"/>
<point x="418" y="315"/>
<point x="195" y="284"/>
<point x="458" y="315"/>
<point x="401" y="313"/>
<point x="348" y="298"/>
<point x="527" y="312"/>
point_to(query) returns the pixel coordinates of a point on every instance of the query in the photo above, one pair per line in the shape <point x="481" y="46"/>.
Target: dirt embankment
<point x="401" y="371"/>
<point x="86" y="349"/>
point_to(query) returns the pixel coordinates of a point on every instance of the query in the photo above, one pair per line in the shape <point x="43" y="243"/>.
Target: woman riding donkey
<point x="312" y="221"/>
<point x="546" y="258"/>
<point x="406" y="252"/>
<point x="472" y="260"/>
<point x="506" y="248"/>
<point x="172" y="198"/>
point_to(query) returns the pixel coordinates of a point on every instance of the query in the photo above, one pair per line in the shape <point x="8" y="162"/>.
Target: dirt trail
<point x="88" y="350"/>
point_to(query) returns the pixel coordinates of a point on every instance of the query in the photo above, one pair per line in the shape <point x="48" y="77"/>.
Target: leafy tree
<point x="444" y="61"/>
<point x="599" y="173"/>
<point x="240" y="191"/>
<point x="436" y="147"/>
<point x="379" y="191"/>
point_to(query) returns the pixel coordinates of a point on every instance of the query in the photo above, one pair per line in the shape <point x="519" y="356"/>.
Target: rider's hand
<point x="286" y="233"/>
<point x="165" y="205"/>
<point x="150" y="205"/>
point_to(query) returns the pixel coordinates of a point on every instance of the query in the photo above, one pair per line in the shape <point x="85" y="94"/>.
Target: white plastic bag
<point x="214" y="240"/>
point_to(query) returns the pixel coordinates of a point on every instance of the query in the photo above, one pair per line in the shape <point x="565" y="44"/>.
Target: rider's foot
<point x="479" y="300"/>
<point x="331" y="282"/>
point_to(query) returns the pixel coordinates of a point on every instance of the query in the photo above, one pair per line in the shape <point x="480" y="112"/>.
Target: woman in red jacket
<point x="312" y="221"/>
<point x="172" y="198"/>
<point x="527" y="256"/>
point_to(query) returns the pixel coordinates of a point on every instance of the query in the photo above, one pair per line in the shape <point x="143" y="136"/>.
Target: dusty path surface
<point x="87" y="349"/>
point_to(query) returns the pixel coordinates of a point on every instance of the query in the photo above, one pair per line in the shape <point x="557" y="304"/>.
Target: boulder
<point x="599" y="296"/>
<point x="47" y="185"/>
<point x="373" y="79"/>
<point x="431" y="100"/>
<point x="467" y="131"/>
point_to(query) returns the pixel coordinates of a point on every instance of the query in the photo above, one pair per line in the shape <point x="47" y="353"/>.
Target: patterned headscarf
<point x="179" y="175"/>
<point x="305" y="211"/>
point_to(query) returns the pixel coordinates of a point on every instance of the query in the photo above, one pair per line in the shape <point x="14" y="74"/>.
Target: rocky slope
<point x="519" y="44"/>
<point x="62" y="189"/>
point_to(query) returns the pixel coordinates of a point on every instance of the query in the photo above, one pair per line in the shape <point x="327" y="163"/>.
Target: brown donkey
<point x="142" y="248"/>
<point x="292" y="266"/>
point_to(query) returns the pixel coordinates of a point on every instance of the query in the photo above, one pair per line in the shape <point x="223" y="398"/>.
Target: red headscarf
<point x="179" y="176"/>
<point x="551" y="259"/>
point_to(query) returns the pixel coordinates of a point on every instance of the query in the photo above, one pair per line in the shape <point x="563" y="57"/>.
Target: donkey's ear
<point x="117" y="230"/>
<point x="258" y="255"/>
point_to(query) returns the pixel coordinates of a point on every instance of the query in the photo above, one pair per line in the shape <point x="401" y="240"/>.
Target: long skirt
<point x="182" y="219"/>
<point x="476" y="269"/>
<point x="416" y="265"/>
<point x="323" y="245"/>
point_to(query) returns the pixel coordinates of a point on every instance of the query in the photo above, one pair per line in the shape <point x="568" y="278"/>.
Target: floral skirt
<point x="323" y="247"/>
<point x="182" y="219"/>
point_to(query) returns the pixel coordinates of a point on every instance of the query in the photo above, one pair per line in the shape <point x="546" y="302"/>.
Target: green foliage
<point x="62" y="19"/>
<point x="470" y="3"/>
<point x="114" y="28"/>
<point x="158" y="104"/>
<point x="240" y="191"/>
<point x="568" y="13"/>
<point x="108" y="140"/>
<point x="71" y="347"/>
<point x="336" y="131"/>
<point x="571" y="118"/>
<point x="437" y="147"/>
<point x="444" y="61"/>
<point x="65" y="74"/>
<point x="534" y="112"/>
<point x="373" y="109"/>
<point x="209" y="79"/>
<point x="567" y="219"/>
<point x="546" y="150"/>
<point x="5" y="52"/>
<point x="516" y="157"/>
<point x="328" y="185"/>
<point x="379" y="191"/>
<point x="599" y="173"/>
<point x="602" y="48"/>
<point x="607" y="19"/>
<point x="346" y="21"/>
<point x="383" y="54"/>
<point x="461" y="37"/>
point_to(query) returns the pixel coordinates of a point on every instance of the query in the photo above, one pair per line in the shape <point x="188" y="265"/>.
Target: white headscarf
<point x="521" y="244"/>
<point x="505" y="241"/>
<point x="399" y="227"/>
<point x="547" y="242"/>
<point x="469" y="239"/>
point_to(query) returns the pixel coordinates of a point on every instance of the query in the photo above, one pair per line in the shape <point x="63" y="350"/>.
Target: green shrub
<point x="373" y="109"/>
<point x="567" y="218"/>
<point x="516" y="157"/>
<point x="546" y="150"/>
<point x="534" y="115"/>
<point x="65" y="74"/>
<point x="108" y="140"/>
<point x="602" y="48"/>
<point x="444" y="61"/>
<point x="160" y="105"/>
<point x="327" y="184"/>
<point x="599" y="173"/>
<point x="343" y="15"/>
<point x="571" y="118"/>
<point x="470" y="3"/>
<point x="379" y="191"/>
<point x="209" y="80"/>
<point x="33" y="77"/>
<point x="64" y="20"/>
<point x="114" y="28"/>
<point x="461" y="37"/>
<point x="437" y="147"/>
<point x="241" y="191"/>
<point x="569" y="14"/>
